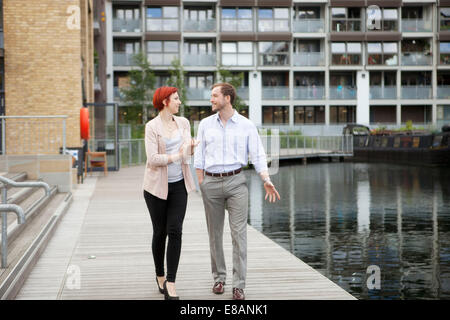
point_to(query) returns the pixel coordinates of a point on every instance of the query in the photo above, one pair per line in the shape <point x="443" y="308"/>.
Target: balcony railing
<point x="309" y="93"/>
<point x="122" y="25"/>
<point x="274" y="59"/>
<point x="275" y="93"/>
<point x="416" y="59"/>
<point x="413" y="25"/>
<point x="445" y="58"/>
<point x="309" y="59"/>
<point x="200" y="26"/>
<point x="342" y="93"/>
<point x="309" y="25"/>
<point x="346" y="26"/>
<point x="416" y="92"/>
<point x="379" y="92"/>
<point x="123" y="59"/>
<point x="243" y="93"/>
<point x="199" y="59"/>
<point x="198" y="93"/>
<point x="443" y="92"/>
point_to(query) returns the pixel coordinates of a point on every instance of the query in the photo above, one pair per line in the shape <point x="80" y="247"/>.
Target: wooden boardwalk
<point x="102" y="250"/>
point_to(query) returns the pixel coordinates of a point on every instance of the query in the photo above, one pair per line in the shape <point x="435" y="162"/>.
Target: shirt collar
<point x="234" y="117"/>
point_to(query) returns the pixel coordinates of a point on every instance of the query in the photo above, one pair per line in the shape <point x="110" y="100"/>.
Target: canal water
<point x="343" y="218"/>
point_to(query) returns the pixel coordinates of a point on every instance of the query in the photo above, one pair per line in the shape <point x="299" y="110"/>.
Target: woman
<point x="167" y="181"/>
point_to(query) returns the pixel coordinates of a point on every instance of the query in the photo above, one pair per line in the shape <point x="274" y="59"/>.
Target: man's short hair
<point x="227" y="90"/>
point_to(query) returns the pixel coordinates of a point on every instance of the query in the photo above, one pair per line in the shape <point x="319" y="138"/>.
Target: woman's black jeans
<point x="167" y="219"/>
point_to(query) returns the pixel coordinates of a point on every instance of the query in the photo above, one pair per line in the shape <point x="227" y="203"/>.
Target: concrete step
<point x="30" y="239"/>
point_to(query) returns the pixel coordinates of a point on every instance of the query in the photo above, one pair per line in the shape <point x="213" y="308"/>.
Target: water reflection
<point x="340" y="218"/>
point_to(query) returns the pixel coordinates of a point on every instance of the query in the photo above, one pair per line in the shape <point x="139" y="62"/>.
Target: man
<point x="226" y="140"/>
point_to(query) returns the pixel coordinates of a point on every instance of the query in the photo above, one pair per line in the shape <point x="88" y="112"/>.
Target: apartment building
<point x="312" y="63"/>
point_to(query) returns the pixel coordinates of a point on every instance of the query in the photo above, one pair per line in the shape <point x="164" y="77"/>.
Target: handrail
<point x="5" y="207"/>
<point x="15" y="184"/>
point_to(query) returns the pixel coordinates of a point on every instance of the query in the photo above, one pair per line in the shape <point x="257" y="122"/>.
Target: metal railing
<point x="132" y="151"/>
<point x="34" y="134"/>
<point x="283" y="146"/>
<point x="309" y="25"/>
<point x="309" y="59"/>
<point x="21" y="215"/>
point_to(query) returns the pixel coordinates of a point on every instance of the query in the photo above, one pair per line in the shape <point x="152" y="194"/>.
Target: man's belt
<point x="224" y="174"/>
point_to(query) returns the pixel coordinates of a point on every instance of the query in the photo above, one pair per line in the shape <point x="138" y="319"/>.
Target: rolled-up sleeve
<point x="151" y="148"/>
<point x="256" y="150"/>
<point x="199" y="155"/>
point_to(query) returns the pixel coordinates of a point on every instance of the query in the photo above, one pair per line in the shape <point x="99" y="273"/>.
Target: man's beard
<point x="218" y="107"/>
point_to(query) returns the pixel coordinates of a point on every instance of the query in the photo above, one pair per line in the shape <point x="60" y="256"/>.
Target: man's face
<point x="218" y="101"/>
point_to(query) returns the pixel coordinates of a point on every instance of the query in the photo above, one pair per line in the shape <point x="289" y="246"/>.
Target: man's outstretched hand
<point x="271" y="192"/>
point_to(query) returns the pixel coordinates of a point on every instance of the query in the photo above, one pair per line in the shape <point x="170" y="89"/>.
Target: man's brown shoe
<point x="219" y="287"/>
<point x="238" y="294"/>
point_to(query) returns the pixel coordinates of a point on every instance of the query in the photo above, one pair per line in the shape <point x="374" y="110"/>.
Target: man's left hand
<point x="271" y="192"/>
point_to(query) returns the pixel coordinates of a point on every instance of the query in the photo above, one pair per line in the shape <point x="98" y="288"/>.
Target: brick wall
<point x="43" y="65"/>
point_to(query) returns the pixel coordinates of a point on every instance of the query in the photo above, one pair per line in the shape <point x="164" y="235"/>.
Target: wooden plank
<point x="108" y="238"/>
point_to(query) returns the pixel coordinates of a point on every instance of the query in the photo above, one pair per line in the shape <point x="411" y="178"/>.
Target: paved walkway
<point x="102" y="250"/>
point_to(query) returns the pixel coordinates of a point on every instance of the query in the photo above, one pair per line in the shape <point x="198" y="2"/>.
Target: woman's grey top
<point x="173" y="146"/>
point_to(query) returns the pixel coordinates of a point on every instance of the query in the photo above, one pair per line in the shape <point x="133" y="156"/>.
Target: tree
<point x="235" y="79"/>
<point x="141" y="86"/>
<point x="176" y="80"/>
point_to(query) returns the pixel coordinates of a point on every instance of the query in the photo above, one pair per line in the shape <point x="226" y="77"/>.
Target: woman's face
<point x="173" y="103"/>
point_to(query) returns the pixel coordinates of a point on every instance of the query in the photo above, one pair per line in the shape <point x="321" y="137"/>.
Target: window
<point x="306" y="13"/>
<point x="342" y="114"/>
<point x="310" y="114"/>
<point x="162" y="19"/>
<point x="382" y="53"/>
<point x="237" y="53"/>
<point x="444" y="19"/>
<point x="346" y="53"/>
<point x="387" y="18"/>
<point x="274" y="115"/>
<point x="199" y="47"/>
<point x="345" y="19"/>
<point x="444" y="52"/>
<point x="198" y="113"/>
<point x="273" y="53"/>
<point x="127" y="14"/>
<point x="162" y="52"/>
<point x="198" y="13"/>
<point x="237" y="19"/>
<point x="200" y="81"/>
<point x="273" y="20"/>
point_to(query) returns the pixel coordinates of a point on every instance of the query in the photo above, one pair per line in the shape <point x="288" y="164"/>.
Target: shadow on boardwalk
<point x="102" y="250"/>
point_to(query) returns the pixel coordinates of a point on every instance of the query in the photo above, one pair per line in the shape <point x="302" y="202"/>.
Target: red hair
<point x="162" y="94"/>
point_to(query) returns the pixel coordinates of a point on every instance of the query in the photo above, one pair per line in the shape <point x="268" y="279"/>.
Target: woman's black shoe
<point x="166" y="293"/>
<point x="161" y="290"/>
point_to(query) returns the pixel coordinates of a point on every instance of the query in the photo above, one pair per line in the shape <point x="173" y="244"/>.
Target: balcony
<point x="199" y="59"/>
<point x="122" y="25"/>
<point x="198" y="93"/>
<point x="275" y="93"/>
<point x="346" y="26"/>
<point x="243" y="93"/>
<point x="309" y="93"/>
<point x="445" y="58"/>
<point x="379" y="92"/>
<point x="309" y="25"/>
<point x="123" y="59"/>
<point x="309" y="59"/>
<point x="443" y="92"/>
<point x="416" y="92"/>
<point x="342" y="93"/>
<point x="416" y="59"/>
<point x="200" y="26"/>
<point x="274" y="59"/>
<point x="413" y="25"/>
